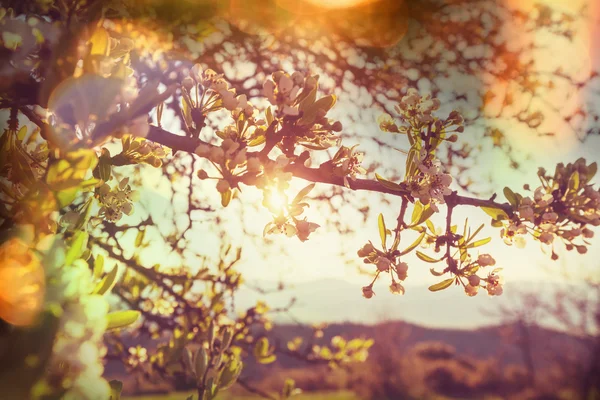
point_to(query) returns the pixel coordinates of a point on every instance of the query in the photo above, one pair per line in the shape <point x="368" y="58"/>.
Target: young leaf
<point x="389" y="184"/>
<point x="426" y="258"/>
<point x="417" y="211"/>
<point x="301" y="194"/>
<point x="495" y="213"/>
<point x="382" y="230"/>
<point x="98" y="266"/>
<point x="430" y="226"/>
<point x="226" y="198"/>
<point x="107" y="283"/>
<point x="78" y="246"/>
<point x="121" y="319"/>
<point x="511" y="196"/>
<point x="479" y="243"/>
<point x="441" y="285"/>
<point x="115" y="389"/>
<point x="415" y="244"/>
<point x="427" y="212"/>
<point x="475" y="233"/>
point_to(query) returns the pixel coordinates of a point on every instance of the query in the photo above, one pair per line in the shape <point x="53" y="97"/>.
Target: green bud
<point x="232" y="371"/>
<point x="288" y="388"/>
<point x="201" y="363"/>
<point x="227" y="337"/>
<point x="187" y="360"/>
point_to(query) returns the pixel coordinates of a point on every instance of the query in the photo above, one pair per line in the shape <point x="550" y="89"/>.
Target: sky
<point x="329" y="255"/>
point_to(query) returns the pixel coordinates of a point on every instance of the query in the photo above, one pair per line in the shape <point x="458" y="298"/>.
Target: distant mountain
<point x="337" y="301"/>
<point x="499" y="343"/>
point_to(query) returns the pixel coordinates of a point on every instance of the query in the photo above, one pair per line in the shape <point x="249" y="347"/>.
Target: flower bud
<point x="396" y="288"/>
<point x="368" y="291"/>
<point x="202" y="174"/>
<point x="474" y="280"/>
<point x="366" y="250"/>
<point x="223" y="186"/>
<point x="196" y="72"/>
<point x="187" y="83"/>
<point x="383" y="264"/>
<point x="471" y="290"/>
<point x="337" y="126"/>
<point x="453" y="138"/>
<point x="485" y="259"/>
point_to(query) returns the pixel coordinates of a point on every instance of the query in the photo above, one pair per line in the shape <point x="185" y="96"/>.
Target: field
<point x="340" y="395"/>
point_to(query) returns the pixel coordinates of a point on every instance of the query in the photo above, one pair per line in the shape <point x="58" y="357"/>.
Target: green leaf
<point x="98" y="266"/>
<point x="417" y="211"/>
<point x="430" y="226"/>
<point x="382" y="230"/>
<point x="301" y="194"/>
<point x="413" y="245"/>
<point x="139" y="238"/>
<point x="574" y="182"/>
<point x="427" y="212"/>
<point x="226" y="198"/>
<point x="77" y="247"/>
<point x="267" y="360"/>
<point x="389" y="184"/>
<point x="121" y="319"/>
<point x="107" y="283"/>
<point x="115" y="389"/>
<point x="495" y="213"/>
<point x="441" y="285"/>
<point x="201" y="363"/>
<point x="511" y="196"/>
<point x="475" y="233"/>
<point x="591" y="171"/>
<point x="479" y="243"/>
<point x="310" y="113"/>
<point x="426" y="258"/>
<point x="269" y="116"/>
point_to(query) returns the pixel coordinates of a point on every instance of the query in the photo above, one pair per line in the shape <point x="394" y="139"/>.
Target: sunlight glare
<point x="275" y="201"/>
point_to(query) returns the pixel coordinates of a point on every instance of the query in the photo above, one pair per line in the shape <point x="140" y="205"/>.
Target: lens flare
<point x="22" y="283"/>
<point x="338" y="3"/>
<point x="275" y="201"/>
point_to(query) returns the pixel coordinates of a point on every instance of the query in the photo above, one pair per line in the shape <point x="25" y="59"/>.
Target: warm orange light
<point x="22" y="283"/>
<point x="338" y="3"/>
<point x="275" y="201"/>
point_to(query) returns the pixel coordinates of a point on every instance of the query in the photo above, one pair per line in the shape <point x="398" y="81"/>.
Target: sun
<point x="275" y="201"/>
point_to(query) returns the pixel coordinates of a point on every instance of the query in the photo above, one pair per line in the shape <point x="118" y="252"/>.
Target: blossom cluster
<point x="424" y="176"/>
<point x="205" y="91"/>
<point x="285" y="214"/>
<point x="429" y="183"/>
<point x="493" y="282"/>
<point x="76" y="361"/>
<point x="283" y="89"/>
<point x="416" y="113"/>
<point x="347" y="164"/>
<point x="386" y="262"/>
<point x="294" y="97"/>
<point x="116" y="201"/>
<point x="563" y="207"/>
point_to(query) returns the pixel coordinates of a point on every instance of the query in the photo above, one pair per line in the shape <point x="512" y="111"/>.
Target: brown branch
<point x="320" y="175"/>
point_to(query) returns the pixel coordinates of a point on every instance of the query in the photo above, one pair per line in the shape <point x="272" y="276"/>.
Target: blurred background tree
<point x="176" y="257"/>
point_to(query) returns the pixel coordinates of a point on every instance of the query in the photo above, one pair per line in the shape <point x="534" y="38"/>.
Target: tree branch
<point x="320" y="175"/>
